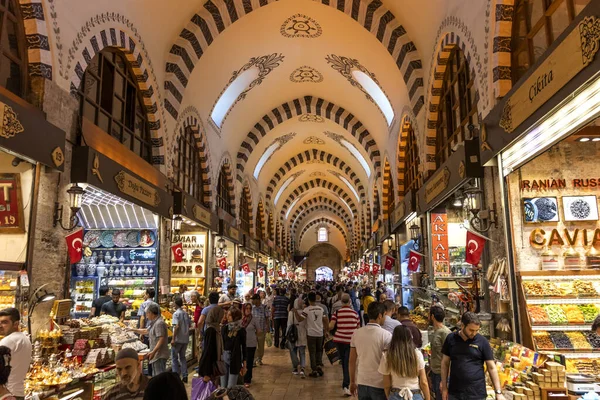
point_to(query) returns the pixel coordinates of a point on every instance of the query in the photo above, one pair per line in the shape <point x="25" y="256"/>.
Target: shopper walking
<point x="132" y="383"/>
<point x="366" y="348"/>
<point x="389" y="324"/>
<point x="367" y="299"/>
<point x="213" y="299"/>
<point x="213" y="344"/>
<point x="345" y="321"/>
<point x="230" y="298"/>
<point x="437" y="339"/>
<point x="403" y="368"/>
<point x="253" y="327"/>
<point x="234" y="348"/>
<point x="181" y="337"/>
<point x="297" y="348"/>
<point x="464" y="354"/>
<point x="144" y="323"/>
<point x="280" y="313"/>
<point x="404" y="318"/>
<point x="317" y="326"/>
<point x="20" y="350"/>
<point x="261" y="314"/>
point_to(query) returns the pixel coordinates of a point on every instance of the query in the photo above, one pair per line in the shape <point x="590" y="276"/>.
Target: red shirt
<point x="347" y="322"/>
<point x="197" y="312"/>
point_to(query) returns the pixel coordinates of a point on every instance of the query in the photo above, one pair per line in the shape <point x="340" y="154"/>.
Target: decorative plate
<point x="120" y="239"/>
<point x="92" y="239"/>
<point x="198" y="269"/>
<point x="132" y="239"/>
<point x="107" y="239"/>
<point x="146" y="238"/>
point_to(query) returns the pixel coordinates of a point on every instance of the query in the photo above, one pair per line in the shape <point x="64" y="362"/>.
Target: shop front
<point x="195" y="236"/>
<point x="226" y="257"/>
<point x="545" y="140"/>
<point x="247" y="274"/>
<point x="403" y="279"/>
<point x="121" y="216"/>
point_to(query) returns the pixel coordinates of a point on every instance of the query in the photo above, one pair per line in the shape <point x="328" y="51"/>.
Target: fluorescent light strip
<point x="566" y="118"/>
<point x="261" y="162"/>
<point x="358" y="155"/>
<point x="283" y="187"/>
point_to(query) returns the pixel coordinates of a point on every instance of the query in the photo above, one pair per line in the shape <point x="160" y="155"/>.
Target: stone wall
<point x="322" y="255"/>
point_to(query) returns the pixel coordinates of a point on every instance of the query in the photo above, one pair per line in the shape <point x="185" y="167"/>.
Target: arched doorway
<point x="323" y="274"/>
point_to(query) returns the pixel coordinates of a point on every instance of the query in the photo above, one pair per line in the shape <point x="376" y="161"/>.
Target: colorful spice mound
<point x="589" y="312"/>
<point x="578" y="340"/>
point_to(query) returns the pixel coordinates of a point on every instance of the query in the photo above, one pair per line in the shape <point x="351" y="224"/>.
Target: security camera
<point x="16" y="161"/>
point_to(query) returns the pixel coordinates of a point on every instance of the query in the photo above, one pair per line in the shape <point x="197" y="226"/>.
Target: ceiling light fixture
<point x="596" y="139"/>
<point x="584" y="139"/>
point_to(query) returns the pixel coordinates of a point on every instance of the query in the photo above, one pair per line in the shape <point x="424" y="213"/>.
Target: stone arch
<point x="246" y="192"/>
<point x="226" y="167"/>
<point x="325" y="201"/>
<point x="216" y="15"/>
<point x="501" y="48"/>
<point x="39" y="57"/>
<point x="103" y="34"/>
<point x="319" y="183"/>
<point x="406" y="129"/>
<point x="315" y="209"/>
<point x="388" y="189"/>
<point x="309" y="155"/>
<point x="377" y="214"/>
<point x="308" y="105"/>
<point x="449" y="42"/>
<point x="308" y="210"/>
<point x="260" y="216"/>
<point x="326" y="220"/>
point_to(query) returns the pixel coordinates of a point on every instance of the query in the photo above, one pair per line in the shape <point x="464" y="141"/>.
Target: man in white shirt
<point x="389" y="324"/>
<point x="366" y="348"/>
<point x="20" y="350"/>
<point x="317" y="326"/>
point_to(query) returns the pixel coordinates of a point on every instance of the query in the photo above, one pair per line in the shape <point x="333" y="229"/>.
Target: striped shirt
<point x="261" y="314"/>
<point x="280" y="306"/>
<point x="347" y="322"/>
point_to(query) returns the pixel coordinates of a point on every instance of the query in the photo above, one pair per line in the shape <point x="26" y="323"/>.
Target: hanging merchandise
<point x="415" y="261"/>
<point x="475" y="246"/>
<point x="177" y="252"/>
<point x="75" y="246"/>
<point x="261" y="273"/>
<point x="246" y="268"/>
<point x="389" y="263"/>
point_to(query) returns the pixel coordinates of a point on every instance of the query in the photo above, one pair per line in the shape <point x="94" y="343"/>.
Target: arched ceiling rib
<point x="322" y="183"/>
<point x="305" y="212"/>
<point x="322" y="220"/>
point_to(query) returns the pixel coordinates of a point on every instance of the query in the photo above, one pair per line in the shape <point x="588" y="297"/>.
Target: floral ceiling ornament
<point x="315" y="161"/>
<point x="317" y="173"/>
<point x="311" y="118"/>
<point x="300" y="26"/>
<point x="314" y="140"/>
<point x="306" y="74"/>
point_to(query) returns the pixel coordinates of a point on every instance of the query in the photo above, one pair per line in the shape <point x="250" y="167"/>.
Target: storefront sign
<point x="251" y="244"/>
<point x="437" y="184"/>
<point x="399" y="213"/>
<point x="230" y="232"/>
<point x="573" y="54"/>
<point x="556" y="184"/>
<point x="439" y="244"/>
<point x="201" y="214"/>
<point x="539" y="238"/>
<point x="11" y="206"/>
<point x="137" y="189"/>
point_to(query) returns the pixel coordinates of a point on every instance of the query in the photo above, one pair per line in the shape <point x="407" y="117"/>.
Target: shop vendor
<point x="115" y="308"/>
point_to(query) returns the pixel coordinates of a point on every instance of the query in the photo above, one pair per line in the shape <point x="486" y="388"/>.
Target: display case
<point x="8" y="288"/>
<point x="83" y="293"/>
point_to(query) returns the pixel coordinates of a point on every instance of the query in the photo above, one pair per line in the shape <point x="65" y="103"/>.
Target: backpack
<point x="292" y="332"/>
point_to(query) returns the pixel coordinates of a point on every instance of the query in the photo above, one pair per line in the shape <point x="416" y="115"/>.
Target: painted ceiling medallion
<point x="317" y="173"/>
<point x="301" y="26"/>
<point x="306" y="74"/>
<point x="313" y="140"/>
<point x="311" y="118"/>
<point x="315" y="161"/>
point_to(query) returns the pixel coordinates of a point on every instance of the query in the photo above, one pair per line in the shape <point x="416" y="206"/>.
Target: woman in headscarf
<point x="213" y="344"/>
<point x="234" y="348"/>
<point x="252" y="327"/>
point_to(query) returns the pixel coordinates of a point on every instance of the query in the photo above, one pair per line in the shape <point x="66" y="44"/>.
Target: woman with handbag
<point x="234" y="348"/>
<point x="298" y="348"/>
<point x="403" y="368"/>
<point x="211" y="355"/>
<point x="253" y="328"/>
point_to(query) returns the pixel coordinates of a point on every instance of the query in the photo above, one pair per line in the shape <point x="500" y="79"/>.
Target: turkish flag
<point x="222" y="262"/>
<point x="389" y="263"/>
<point x="261" y="272"/>
<point x="414" y="260"/>
<point x="177" y="252"/>
<point x="376" y="268"/>
<point x="365" y="267"/>
<point x="246" y="268"/>
<point x="75" y="246"/>
<point x="475" y="246"/>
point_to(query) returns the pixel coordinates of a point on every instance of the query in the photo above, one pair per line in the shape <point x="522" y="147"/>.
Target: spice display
<point x="560" y="340"/>
<point x="593" y="339"/>
<point x="556" y="314"/>
<point x="543" y="341"/>
<point x="584" y="288"/>
<point x="589" y="312"/>
<point x="538" y="315"/>
<point x="540" y="288"/>
<point x="573" y="313"/>
<point x="578" y="340"/>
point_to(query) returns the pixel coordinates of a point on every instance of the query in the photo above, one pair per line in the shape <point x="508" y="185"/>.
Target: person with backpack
<point x="296" y="339"/>
<point x="345" y="321"/>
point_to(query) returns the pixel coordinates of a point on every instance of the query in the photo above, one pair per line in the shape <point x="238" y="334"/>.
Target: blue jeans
<point x="344" y="352"/>
<point x="436" y="379"/>
<point x="229" y="380"/>
<point x="159" y="366"/>
<point x="371" y="393"/>
<point x="298" y="356"/>
<point x="178" y="359"/>
<point x="396" y="396"/>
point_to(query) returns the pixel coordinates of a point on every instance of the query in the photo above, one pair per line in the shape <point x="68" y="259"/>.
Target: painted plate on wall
<point x="146" y="238"/>
<point x="132" y="239"/>
<point x="92" y="239"/>
<point x="120" y="239"/>
<point x="107" y="238"/>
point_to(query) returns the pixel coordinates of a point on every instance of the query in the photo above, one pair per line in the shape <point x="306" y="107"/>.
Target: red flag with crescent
<point x="376" y="268"/>
<point x="475" y="246"/>
<point x="75" y="246"/>
<point x="261" y="272"/>
<point x="389" y="263"/>
<point x="246" y="268"/>
<point x="222" y="263"/>
<point x="414" y="260"/>
<point x="177" y="252"/>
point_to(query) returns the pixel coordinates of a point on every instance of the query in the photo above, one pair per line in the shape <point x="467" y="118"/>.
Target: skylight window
<point x="268" y="153"/>
<point x="231" y="94"/>
<point x="358" y="155"/>
<point x="376" y="93"/>
<point x="349" y="186"/>
<point x="283" y="187"/>
<point x="287" y="214"/>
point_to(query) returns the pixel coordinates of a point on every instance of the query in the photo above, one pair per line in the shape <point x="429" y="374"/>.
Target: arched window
<point x="186" y="166"/>
<point x="536" y="24"/>
<point x="223" y="195"/>
<point x="322" y="234"/>
<point x="259" y="222"/>
<point x="457" y="108"/>
<point x="111" y="99"/>
<point x="13" y="66"/>
<point x="245" y="210"/>
<point x="411" y="162"/>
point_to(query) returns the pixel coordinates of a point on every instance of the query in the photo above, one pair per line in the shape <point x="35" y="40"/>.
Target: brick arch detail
<point x="246" y="192"/>
<point x="226" y="166"/>
<point x="322" y="220"/>
<point x="502" y="47"/>
<point x="39" y="57"/>
<point x="308" y="105"/>
<point x="323" y="184"/>
<point x="308" y="155"/>
<point x="216" y="15"/>
<point x="388" y="187"/>
<point x="325" y="204"/>
<point x="260" y="213"/>
<point x="316" y="209"/>
<point x="407" y="125"/>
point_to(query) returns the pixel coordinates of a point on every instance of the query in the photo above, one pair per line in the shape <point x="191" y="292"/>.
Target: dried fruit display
<point x="578" y="340"/>
<point x="560" y="340"/>
<point x="538" y="315"/>
<point x="589" y="312"/>
<point x="593" y="339"/>
<point x="587" y="366"/>
<point x="584" y="288"/>
<point x="540" y="289"/>
<point x="573" y="313"/>
<point x="543" y="341"/>
<point x="556" y="314"/>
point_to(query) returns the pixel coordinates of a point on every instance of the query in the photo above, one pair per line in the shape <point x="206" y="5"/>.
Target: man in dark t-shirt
<point x="464" y="353"/>
<point x="99" y="302"/>
<point x="114" y="308"/>
<point x="404" y="318"/>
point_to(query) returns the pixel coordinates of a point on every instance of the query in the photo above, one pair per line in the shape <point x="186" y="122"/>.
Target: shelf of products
<point x="8" y="288"/>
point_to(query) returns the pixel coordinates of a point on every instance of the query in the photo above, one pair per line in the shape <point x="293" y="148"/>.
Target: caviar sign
<point x="11" y="204"/>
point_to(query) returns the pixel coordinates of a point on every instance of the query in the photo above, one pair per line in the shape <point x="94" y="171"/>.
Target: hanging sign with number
<point x="11" y="204"/>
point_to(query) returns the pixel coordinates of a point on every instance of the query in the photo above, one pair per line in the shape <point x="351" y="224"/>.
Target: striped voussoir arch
<point x="216" y="15"/>
<point x="323" y="220"/>
<point x="308" y="155"/>
<point x="307" y="105"/>
<point x="450" y="42"/>
<point x="316" y="209"/>
<point x="405" y="131"/>
<point x="228" y="171"/>
<point x="260" y="213"/>
<point x="502" y="47"/>
<point x="315" y="183"/>
<point x="117" y="38"/>
<point x="388" y="186"/>
<point x="39" y="57"/>
<point x="246" y="192"/>
<point x="320" y="205"/>
<point x="192" y="122"/>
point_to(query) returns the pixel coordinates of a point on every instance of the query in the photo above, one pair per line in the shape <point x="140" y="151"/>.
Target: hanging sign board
<point x="11" y="205"/>
<point x="137" y="189"/>
<point x="439" y="244"/>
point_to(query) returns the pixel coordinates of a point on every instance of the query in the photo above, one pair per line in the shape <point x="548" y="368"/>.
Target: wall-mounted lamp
<point x="221" y="250"/>
<point x="75" y="193"/>
<point x="40" y="295"/>
<point x="482" y="219"/>
<point x="175" y="227"/>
